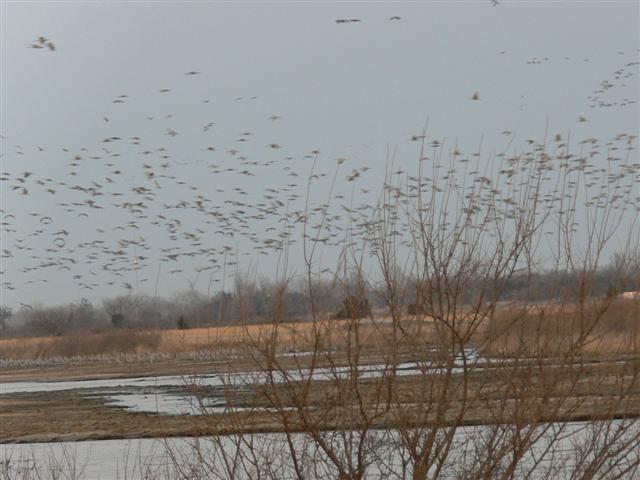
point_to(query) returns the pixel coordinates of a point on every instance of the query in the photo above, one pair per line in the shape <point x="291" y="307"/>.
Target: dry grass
<point x="599" y="327"/>
<point x="291" y="337"/>
<point x="532" y="330"/>
<point x="78" y="344"/>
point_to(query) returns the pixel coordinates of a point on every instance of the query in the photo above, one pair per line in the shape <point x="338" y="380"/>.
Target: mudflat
<point x="87" y="413"/>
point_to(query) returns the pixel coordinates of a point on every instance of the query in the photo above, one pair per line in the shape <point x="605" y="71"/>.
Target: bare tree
<point x="5" y="314"/>
<point x="476" y="383"/>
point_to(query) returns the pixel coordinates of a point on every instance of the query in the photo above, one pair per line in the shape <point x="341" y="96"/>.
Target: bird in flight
<point x="394" y="18"/>
<point x="43" y="42"/>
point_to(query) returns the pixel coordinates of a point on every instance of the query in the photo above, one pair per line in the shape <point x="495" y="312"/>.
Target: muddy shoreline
<point x="80" y="414"/>
<point x="69" y="416"/>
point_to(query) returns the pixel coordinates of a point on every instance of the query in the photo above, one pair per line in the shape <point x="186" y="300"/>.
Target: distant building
<point x="630" y="295"/>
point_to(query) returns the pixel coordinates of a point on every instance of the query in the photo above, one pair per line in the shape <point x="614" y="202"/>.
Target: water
<point x="170" y="394"/>
<point x="174" y="394"/>
<point x="153" y="458"/>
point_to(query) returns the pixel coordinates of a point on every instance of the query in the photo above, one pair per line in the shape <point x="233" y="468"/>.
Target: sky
<point x="351" y="90"/>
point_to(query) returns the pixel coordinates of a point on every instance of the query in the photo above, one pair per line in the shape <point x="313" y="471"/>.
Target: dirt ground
<point x="96" y="371"/>
<point x="71" y="416"/>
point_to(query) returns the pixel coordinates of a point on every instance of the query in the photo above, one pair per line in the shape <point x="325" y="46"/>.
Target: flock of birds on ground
<point x="130" y="209"/>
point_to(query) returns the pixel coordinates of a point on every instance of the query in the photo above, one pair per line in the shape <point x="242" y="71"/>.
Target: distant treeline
<point x="263" y="300"/>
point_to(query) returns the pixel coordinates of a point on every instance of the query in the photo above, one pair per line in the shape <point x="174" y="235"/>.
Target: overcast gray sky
<point x="349" y="90"/>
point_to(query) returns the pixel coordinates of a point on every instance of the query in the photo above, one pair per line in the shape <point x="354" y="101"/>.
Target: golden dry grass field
<point x="511" y="330"/>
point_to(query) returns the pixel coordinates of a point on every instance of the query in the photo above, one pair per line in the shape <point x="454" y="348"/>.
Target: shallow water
<point x="153" y="458"/>
<point x="150" y="394"/>
<point x="171" y="394"/>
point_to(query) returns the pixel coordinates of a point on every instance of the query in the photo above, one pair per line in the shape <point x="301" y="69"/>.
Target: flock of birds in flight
<point x="128" y="209"/>
<point x="43" y="42"/>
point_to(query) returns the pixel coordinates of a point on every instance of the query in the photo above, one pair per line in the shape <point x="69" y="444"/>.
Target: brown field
<point x="215" y="340"/>
<point x="71" y="416"/>
<point x="531" y="330"/>
<point x="540" y="337"/>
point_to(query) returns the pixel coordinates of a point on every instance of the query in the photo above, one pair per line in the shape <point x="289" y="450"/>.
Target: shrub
<point x="354" y="307"/>
<point x="182" y="323"/>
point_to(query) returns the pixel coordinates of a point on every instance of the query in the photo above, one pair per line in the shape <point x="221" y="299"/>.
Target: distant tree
<point x="182" y="323"/>
<point x="121" y="307"/>
<point x="41" y="320"/>
<point x="194" y="305"/>
<point x="5" y="314"/>
<point x="415" y="309"/>
<point x="117" y="320"/>
<point x="354" y="307"/>
<point x="221" y="307"/>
